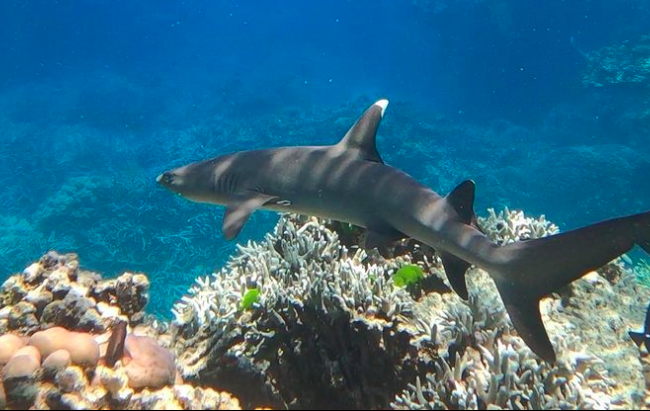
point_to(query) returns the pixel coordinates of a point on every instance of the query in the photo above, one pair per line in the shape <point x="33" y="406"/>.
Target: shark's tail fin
<point x="529" y="270"/>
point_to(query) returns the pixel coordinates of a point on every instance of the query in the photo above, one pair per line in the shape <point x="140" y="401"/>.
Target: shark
<point x="349" y="182"/>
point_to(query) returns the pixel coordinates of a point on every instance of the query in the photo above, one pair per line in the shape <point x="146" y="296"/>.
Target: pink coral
<point x="23" y="364"/>
<point x="83" y="349"/>
<point x="9" y="345"/>
<point x="149" y="365"/>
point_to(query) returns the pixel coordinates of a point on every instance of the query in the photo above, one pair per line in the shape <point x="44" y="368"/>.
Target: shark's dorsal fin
<point x="240" y="210"/>
<point x="361" y="137"/>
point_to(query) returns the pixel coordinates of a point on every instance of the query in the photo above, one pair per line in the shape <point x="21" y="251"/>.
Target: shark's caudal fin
<point x="532" y="269"/>
<point x="362" y="136"/>
<point x="462" y="200"/>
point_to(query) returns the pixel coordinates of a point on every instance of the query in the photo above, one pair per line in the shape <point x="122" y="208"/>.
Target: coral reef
<point x="56" y="361"/>
<point x="137" y="227"/>
<point x="325" y="311"/>
<point x="326" y="327"/>
<point x="55" y="292"/>
<point x="627" y="63"/>
<point x="511" y="226"/>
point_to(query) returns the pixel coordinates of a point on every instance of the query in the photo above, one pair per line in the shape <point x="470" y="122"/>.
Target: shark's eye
<point x="166" y="178"/>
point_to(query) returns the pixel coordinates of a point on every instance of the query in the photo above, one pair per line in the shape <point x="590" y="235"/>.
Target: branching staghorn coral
<point x="511" y="226"/>
<point x="597" y="366"/>
<point x="319" y="299"/>
<point x="328" y="329"/>
<point x="483" y="363"/>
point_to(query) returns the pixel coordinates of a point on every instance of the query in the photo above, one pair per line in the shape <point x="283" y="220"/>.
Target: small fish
<point x="643" y="337"/>
<point x="115" y="350"/>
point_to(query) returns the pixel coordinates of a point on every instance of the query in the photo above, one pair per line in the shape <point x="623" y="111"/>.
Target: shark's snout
<point x="165" y="178"/>
<point x="170" y="180"/>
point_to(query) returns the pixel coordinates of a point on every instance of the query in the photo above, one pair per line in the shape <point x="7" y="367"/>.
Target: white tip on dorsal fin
<point x="383" y="103"/>
<point x="361" y="136"/>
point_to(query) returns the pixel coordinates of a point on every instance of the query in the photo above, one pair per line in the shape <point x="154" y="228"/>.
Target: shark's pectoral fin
<point x="381" y="239"/>
<point x="638" y="338"/>
<point x="239" y="211"/>
<point x="455" y="269"/>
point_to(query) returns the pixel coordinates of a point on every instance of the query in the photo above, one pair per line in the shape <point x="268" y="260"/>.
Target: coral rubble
<point x="55" y="292"/>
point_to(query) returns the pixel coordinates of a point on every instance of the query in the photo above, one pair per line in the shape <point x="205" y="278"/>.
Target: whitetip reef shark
<point x="350" y="182"/>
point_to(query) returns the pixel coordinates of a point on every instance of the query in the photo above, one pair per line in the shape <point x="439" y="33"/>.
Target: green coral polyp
<point x="408" y="275"/>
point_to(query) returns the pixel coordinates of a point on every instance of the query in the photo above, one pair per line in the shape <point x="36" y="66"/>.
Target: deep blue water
<point x="98" y="97"/>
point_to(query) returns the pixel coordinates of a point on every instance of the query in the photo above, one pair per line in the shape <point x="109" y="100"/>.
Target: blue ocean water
<point x="98" y="97"/>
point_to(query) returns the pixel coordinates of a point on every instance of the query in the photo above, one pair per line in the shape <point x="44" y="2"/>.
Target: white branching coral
<point x="302" y="262"/>
<point x="315" y="296"/>
<point x="330" y="328"/>
<point x="511" y="226"/>
<point x="484" y="364"/>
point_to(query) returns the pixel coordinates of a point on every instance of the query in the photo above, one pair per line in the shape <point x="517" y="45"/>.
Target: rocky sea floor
<point x="306" y="319"/>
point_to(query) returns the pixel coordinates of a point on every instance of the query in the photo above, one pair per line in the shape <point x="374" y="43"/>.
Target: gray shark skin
<point x="349" y="182"/>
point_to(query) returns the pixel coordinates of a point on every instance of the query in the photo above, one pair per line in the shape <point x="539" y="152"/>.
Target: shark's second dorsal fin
<point x="361" y="137"/>
<point x="462" y="200"/>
